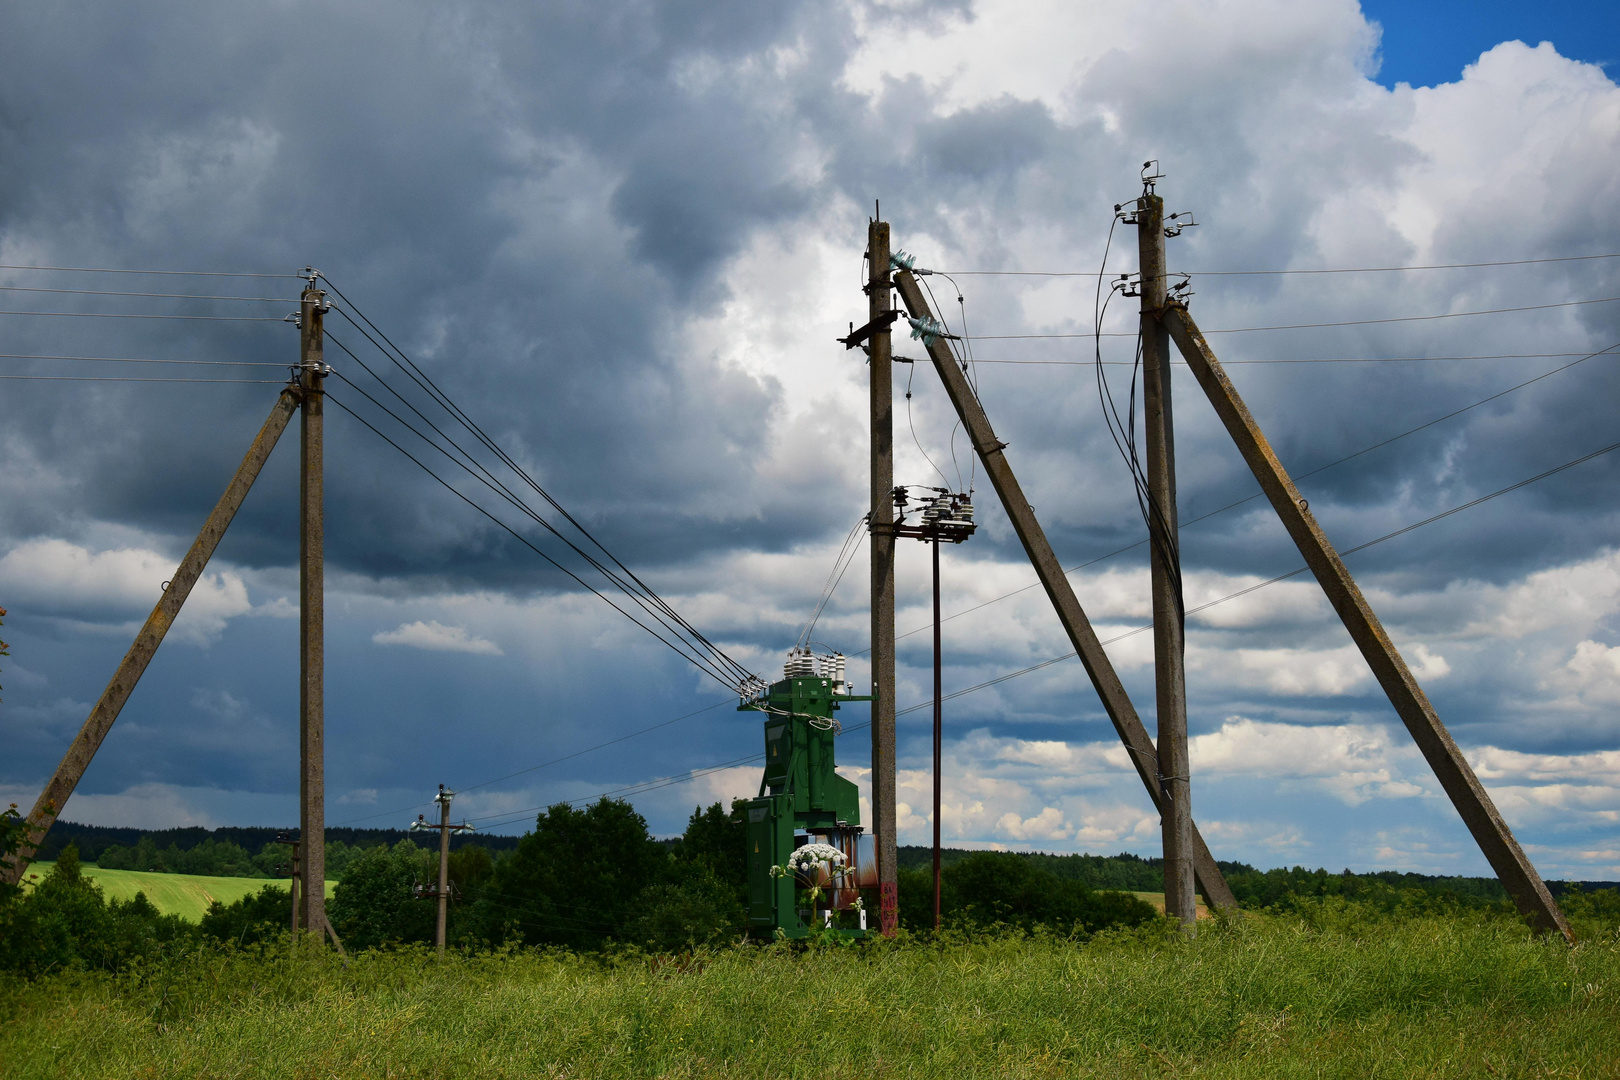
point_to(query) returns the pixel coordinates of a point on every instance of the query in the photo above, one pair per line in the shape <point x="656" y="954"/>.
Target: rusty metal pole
<point x="1169" y="630"/>
<point x="311" y="613"/>
<point x="1462" y="786"/>
<point x="116" y="695"/>
<point x="1117" y="703"/>
<point x="881" y="524"/>
<point x="939" y="725"/>
<point x="443" y="799"/>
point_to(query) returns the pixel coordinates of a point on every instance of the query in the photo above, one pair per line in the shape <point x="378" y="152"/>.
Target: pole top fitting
<point x="1150" y="174"/>
<point x="310" y="274"/>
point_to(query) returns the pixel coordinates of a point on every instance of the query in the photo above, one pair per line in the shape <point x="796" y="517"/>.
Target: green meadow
<point x="185" y="895"/>
<point x="1335" y="990"/>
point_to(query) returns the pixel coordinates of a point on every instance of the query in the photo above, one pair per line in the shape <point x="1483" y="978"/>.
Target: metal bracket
<point x="882" y="322"/>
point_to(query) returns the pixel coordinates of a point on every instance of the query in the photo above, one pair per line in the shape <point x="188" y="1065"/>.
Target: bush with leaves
<point x="65" y="922"/>
<point x="375" y="902"/>
<point x="575" y="881"/>
<point x="261" y="916"/>
<point x="988" y="888"/>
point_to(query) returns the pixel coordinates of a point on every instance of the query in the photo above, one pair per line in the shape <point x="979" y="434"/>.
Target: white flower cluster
<point x="812" y="856"/>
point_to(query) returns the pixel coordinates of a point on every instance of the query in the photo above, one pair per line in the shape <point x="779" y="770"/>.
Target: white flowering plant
<point x="808" y="861"/>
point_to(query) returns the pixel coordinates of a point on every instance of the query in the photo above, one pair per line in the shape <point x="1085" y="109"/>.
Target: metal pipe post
<point x="1169" y="641"/>
<point x="938" y="727"/>
<point x="311" y="613"/>
<point x="881" y="524"/>
<point x="173" y="596"/>
<point x="443" y="800"/>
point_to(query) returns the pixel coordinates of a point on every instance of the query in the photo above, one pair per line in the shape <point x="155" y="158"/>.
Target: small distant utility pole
<point x="880" y="364"/>
<point x="292" y="874"/>
<point x="311" y="607"/>
<point x="1169" y="631"/>
<point x="445" y="829"/>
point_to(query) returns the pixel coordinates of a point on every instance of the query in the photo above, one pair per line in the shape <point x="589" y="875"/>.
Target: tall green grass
<point x="1333" y="991"/>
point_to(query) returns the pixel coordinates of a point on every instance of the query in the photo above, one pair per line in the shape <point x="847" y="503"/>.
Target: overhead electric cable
<point x="126" y="378"/>
<point x="138" y="360"/>
<point x="168" y="273"/>
<point x="1316" y="326"/>
<point x="120" y="315"/>
<point x="1328" y="270"/>
<point x="423" y="381"/>
<point x="673" y="645"/>
<point x="160" y="295"/>
<point x="483" y="476"/>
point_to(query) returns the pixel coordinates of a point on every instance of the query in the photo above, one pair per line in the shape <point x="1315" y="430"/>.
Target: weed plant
<point x="1334" y="988"/>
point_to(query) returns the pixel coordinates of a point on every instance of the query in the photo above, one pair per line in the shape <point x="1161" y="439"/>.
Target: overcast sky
<point x="623" y="237"/>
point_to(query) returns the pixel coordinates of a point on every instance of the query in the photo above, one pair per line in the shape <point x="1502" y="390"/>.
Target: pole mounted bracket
<point x="882" y="322"/>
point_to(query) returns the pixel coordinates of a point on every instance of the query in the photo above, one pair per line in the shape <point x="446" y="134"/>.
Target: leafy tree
<point x="260" y="916"/>
<point x="696" y="908"/>
<point x="997" y="887"/>
<point x="375" y="902"/>
<point x="719" y="841"/>
<point x="66" y="922"/>
<point x="575" y="880"/>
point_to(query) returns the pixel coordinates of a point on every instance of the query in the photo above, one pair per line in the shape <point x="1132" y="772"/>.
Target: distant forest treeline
<point x="1137" y="873"/>
<point x="252" y="852"/>
<point x="93" y="840"/>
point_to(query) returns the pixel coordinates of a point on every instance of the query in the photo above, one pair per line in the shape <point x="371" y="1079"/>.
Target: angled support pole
<point x="1090" y="650"/>
<point x="140" y="654"/>
<point x="1492" y="834"/>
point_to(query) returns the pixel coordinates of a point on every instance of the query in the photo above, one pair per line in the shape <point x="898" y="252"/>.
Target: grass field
<point x="185" y="895"/>
<point x="1336" y="994"/>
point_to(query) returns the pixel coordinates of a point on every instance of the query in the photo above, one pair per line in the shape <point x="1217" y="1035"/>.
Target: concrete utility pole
<point x="1467" y="794"/>
<point x="881" y="363"/>
<point x="311" y="610"/>
<point x="1087" y="647"/>
<point x="1169" y="641"/>
<point x="445" y="829"/>
<point x="173" y="596"/>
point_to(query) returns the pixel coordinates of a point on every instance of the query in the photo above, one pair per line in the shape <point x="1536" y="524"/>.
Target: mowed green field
<point x="185" y="895"/>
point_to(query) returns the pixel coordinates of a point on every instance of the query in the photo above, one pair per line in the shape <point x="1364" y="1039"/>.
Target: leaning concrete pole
<point x="175" y="591"/>
<point x="1169" y="631"/>
<point x="1082" y="635"/>
<point x="1467" y="794"/>
<point x="311" y="613"/>
<point x="881" y="524"/>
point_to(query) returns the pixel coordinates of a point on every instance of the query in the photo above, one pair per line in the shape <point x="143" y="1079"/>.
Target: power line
<point x="121" y="378"/>
<point x="1330" y="270"/>
<point x="525" y="541"/>
<point x="1298" y="476"/>
<point x="424" y="382"/>
<point x="1281" y="577"/>
<point x="138" y="360"/>
<point x="1299" y="360"/>
<point x="117" y="315"/>
<point x="169" y="273"/>
<point x="165" y="296"/>
<point x="483" y="476"/>
<point x="1321" y="325"/>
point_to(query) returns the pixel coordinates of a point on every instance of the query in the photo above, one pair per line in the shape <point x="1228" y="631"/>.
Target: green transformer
<point x="802" y="800"/>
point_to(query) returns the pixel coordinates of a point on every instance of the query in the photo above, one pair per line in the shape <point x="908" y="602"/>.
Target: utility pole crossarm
<point x="145" y="646"/>
<point x="1490" y="831"/>
<point x="1086" y="644"/>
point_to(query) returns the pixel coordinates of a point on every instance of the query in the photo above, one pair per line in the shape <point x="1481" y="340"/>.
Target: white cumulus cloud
<point x="436" y="637"/>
